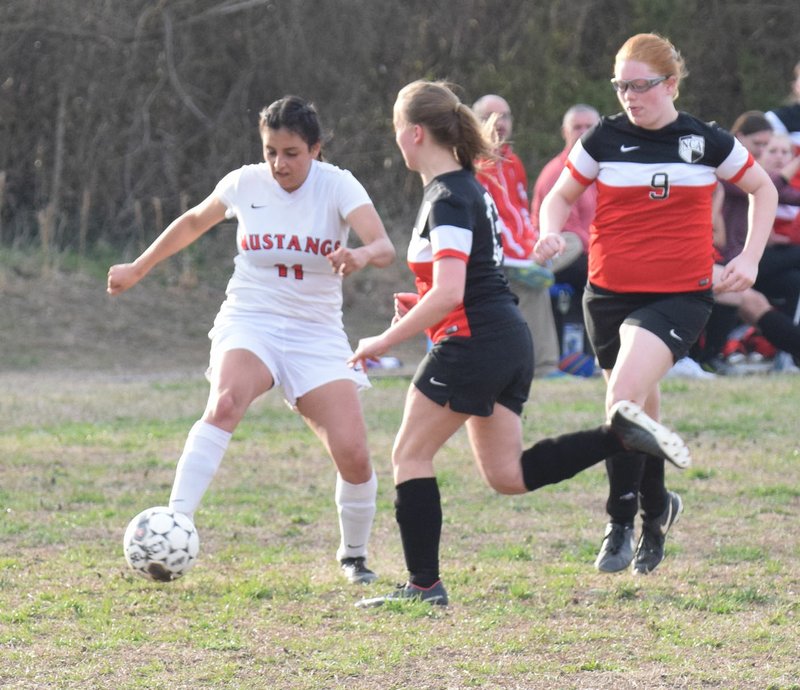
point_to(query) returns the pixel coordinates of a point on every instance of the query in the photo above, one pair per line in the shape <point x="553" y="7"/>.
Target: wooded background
<point x="115" y="115"/>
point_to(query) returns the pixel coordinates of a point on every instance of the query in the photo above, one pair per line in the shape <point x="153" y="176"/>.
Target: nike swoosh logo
<point x="258" y="206"/>
<point x="626" y="149"/>
<point x="673" y="334"/>
<point x="350" y="546"/>
<point x="434" y="382"/>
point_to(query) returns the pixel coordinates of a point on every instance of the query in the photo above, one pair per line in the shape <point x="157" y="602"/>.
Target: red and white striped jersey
<point x="652" y="225"/>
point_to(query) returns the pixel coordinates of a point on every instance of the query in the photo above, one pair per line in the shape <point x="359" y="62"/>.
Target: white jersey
<point x="284" y="238"/>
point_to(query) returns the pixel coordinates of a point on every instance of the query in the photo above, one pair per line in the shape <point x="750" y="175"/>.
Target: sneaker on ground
<point x="531" y="274"/>
<point x="356" y="571"/>
<point x="650" y="549"/>
<point x="436" y="595"/>
<point x="638" y="431"/>
<point x="689" y="369"/>
<point x="616" y="551"/>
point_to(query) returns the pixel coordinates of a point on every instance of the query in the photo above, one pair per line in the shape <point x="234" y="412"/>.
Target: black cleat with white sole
<point x="638" y="431"/>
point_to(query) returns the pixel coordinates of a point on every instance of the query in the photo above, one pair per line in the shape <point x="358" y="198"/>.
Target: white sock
<point x="202" y="454"/>
<point x="356" y="506"/>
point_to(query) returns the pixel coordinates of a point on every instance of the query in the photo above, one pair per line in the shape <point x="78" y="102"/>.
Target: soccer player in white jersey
<point x="281" y="322"/>
<point x="650" y="261"/>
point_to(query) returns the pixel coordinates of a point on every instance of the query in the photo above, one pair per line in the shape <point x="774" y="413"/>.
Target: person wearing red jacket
<point x="505" y="179"/>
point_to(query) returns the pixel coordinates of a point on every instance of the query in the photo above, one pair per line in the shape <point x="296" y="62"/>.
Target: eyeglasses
<point x="637" y="85"/>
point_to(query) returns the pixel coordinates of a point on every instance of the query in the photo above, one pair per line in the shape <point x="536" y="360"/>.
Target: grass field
<point x="265" y="607"/>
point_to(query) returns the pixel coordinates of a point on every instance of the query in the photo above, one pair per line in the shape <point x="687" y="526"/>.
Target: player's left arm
<point x="376" y="248"/>
<point x="740" y="273"/>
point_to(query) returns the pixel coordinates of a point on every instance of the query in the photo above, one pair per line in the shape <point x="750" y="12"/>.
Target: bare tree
<point x="114" y="114"/>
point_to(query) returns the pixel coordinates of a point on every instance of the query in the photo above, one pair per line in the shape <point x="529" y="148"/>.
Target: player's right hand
<point x="547" y="247"/>
<point x="403" y="303"/>
<point x="121" y="277"/>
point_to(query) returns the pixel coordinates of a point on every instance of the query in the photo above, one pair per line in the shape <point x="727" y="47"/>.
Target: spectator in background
<point x="779" y="268"/>
<point x="577" y="120"/>
<point x="754" y="309"/>
<point x="786" y="119"/>
<point x="751" y="306"/>
<point x="782" y="165"/>
<point x="506" y="180"/>
<point x="572" y="266"/>
<point x="730" y="210"/>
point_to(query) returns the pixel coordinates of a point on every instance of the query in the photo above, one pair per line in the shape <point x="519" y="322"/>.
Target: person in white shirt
<point x="281" y="322"/>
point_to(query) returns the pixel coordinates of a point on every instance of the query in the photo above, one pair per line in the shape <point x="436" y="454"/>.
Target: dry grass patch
<point x="266" y="608"/>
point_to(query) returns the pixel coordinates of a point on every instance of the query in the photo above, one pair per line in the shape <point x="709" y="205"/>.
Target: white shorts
<point x="300" y="355"/>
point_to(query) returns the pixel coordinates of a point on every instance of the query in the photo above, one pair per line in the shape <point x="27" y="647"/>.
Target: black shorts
<point x="677" y="318"/>
<point x="472" y="374"/>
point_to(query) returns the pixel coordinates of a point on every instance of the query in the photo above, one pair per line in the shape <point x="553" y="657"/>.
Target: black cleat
<point x="436" y="595"/>
<point x="356" y="571"/>
<point x="650" y="549"/>
<point x="616" y="551"/>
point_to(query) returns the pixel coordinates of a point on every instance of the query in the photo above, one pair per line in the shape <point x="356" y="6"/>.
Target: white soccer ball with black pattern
<point x="161" y="544"/>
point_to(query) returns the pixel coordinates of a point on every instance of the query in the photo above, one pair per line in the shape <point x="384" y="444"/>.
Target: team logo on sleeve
<point x="691" y="148"/>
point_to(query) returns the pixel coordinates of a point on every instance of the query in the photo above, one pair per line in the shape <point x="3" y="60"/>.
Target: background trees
<point x="115" y="115"/>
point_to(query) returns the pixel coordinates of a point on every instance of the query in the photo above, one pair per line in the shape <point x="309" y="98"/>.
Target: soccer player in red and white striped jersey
<point x="650" y="261"/>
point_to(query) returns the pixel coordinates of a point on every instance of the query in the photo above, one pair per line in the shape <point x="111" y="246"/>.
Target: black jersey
<point x="458" y="219"/>
<point x="789" y="117"/>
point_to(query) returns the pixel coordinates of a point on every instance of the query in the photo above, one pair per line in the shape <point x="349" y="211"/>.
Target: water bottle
<point x="573" y="338"/>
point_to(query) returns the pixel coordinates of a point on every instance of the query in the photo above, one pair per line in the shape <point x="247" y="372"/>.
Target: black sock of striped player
<point x="624" y="472"/>
<point x="653" y="494"/>
<point x="418" y="511"/>
<point x="552" y="460"/>
<point x="781" y="331"/>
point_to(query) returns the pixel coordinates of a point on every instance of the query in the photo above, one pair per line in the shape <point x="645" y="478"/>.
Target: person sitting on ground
<point x="754" y="309"/>
<point x="779" y="268"/>
<point x="782" y="163"/>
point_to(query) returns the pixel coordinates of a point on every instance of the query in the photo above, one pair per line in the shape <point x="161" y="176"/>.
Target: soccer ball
<point x="161" y="544"/>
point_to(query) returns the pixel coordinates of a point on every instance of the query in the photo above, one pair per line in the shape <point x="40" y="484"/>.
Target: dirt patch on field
<point x="58" y="321"/>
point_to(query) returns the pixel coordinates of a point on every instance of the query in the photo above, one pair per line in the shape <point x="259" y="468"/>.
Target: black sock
<point x="624" y="484"/>
<point x="723" y="320"/>
<point x="781" y="331"/>
<point x="654" y="496"/>
<point x="418" y="511"/>
<point x="552" y="460"/>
